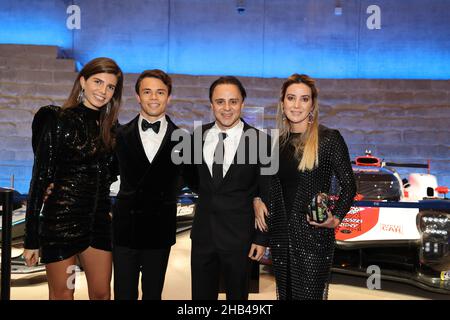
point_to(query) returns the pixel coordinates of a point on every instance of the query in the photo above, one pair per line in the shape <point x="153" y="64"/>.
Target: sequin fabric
<point x="76" y="214"/>
<point x="302" y="254"/>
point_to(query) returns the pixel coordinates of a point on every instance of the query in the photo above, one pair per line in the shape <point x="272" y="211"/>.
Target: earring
<point x="283" y="115"/>
<point x="108" y="108"/>
<point x="81" y="96"/>
<point x="310" y="117"/>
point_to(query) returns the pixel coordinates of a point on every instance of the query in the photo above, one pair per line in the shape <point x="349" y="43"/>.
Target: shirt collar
<point x="232" y="132"/>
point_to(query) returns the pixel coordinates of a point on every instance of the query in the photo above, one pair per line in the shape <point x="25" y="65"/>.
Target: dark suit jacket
<point x="144" y="215"/>
<point x="224" y="215"/>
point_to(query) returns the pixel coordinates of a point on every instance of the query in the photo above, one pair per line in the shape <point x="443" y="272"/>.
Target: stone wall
<point x="399" y="120"/>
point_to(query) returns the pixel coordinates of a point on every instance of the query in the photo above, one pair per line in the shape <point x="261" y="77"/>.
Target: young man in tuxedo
<point x="229" y="184"/>
<point x="144" y="217"/>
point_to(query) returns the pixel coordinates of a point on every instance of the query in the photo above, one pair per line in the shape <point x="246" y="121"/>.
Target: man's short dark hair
<point x="154" y="73"/>
<point x="227" y="80"/>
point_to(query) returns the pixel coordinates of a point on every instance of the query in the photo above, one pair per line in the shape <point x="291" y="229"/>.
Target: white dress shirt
<point x="231" y="144"/>
<point x="150" y="139"/>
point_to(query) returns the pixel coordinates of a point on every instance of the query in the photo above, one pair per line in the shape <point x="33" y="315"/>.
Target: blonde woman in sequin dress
<point x="311" y="157"/>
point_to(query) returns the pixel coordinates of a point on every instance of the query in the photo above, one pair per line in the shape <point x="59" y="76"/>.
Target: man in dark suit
<point x="144" y="217"/>
<point x="229" y="183"/>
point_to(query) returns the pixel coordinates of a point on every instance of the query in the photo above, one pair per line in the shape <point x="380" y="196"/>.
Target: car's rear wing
<point x="373" y="161"/>
<point x="407" y="165"/>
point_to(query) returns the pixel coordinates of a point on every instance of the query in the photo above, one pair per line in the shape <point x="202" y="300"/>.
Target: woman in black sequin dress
<point x="73" y="152"/>
<point x="311" y="157"/>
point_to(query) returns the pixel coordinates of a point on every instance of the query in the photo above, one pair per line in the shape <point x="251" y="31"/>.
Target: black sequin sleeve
<point x="342" y="169"/>
<point x="45" y="151"/>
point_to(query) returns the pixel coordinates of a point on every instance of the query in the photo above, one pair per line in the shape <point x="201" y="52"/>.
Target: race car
<point x="400" y="226"/>
<point x="186" y="209"/>
<point x="18" y="217"/>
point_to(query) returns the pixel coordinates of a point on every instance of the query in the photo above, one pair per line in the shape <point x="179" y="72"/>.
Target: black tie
<point x="146" y="125"/>
<point x="219" y="153"/>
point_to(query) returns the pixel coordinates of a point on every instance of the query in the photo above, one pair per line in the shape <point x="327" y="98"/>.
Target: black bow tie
<point x="146" y="125"/>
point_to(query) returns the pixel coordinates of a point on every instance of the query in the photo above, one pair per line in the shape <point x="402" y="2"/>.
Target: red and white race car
<point x="400" y="226"/>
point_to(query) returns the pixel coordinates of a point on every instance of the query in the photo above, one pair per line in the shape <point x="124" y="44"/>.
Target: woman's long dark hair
<point x="107" y="119"/>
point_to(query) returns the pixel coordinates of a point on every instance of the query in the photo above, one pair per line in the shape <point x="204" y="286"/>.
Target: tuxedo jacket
<point x="224" y="215"/>
<point x="144" y="215"/>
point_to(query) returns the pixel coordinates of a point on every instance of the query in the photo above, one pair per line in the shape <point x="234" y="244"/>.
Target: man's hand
<point x="261" y="213"/>
<point x="331" y="222"/>
<point x="256" y="252"/>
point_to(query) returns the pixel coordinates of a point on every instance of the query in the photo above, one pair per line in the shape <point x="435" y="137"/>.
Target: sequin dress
<point x="76" y="214"/>
<point x="302" y="254"/>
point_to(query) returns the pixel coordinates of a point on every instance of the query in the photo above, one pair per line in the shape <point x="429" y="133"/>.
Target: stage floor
<point x="178" y="286"/>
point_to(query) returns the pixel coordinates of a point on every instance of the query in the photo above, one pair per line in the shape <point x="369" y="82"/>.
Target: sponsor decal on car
<point x="358" y="221"/>
<point x="184" y="210"/>
<point x="391" y="228"/>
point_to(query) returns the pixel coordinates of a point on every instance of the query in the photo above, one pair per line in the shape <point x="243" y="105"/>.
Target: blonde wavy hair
<point x="306" y="146"/>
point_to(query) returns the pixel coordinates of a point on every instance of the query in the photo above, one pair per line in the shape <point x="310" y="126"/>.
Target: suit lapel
<point x="204" y="166"/>
<point x="242" y="144"/>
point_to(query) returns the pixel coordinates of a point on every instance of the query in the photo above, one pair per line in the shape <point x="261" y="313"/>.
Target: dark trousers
<point x="129" y="263"/>
<point x="209" y="264"/>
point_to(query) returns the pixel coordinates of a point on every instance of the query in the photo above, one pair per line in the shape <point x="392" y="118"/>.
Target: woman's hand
<point x="331" y="222"/>
<point x="31" y="256"/>
<point x="49" y="190"/>
<point x="260" y="214"/>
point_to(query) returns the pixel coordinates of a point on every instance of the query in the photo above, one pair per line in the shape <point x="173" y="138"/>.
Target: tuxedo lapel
<point x="133" y="137"/>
